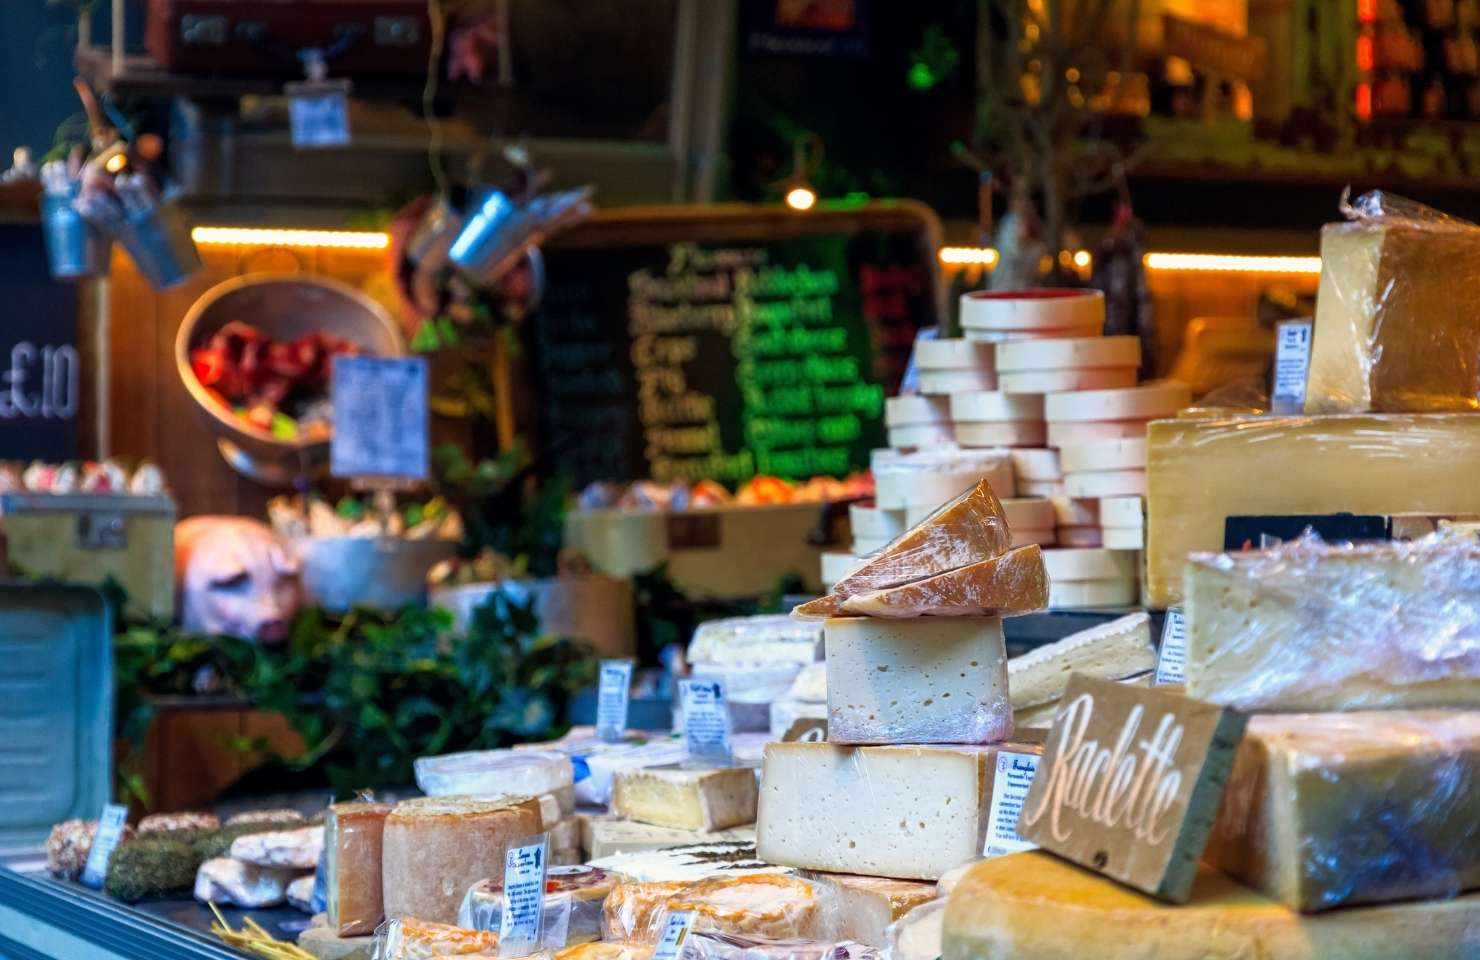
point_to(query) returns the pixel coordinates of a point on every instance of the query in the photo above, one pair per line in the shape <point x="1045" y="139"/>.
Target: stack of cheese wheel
<point x="1122" y="523"/>
<point x="926" y="479"/>
<point x="1076" y="522"/>
<point x="1031" y="520"/>
<point x="874" y="527"/>
<point x="1088" y="577"/>
<point x="1105" y="468"/>
<point x="954" y="366"/>
<point x="914" y="422"/>
<point x="989" y="418"/>
<point x="1037" y="472"/>
<point x="1057" y="366"/>
<point x="1089" y="416"/>
<point x="1006" y="316"/>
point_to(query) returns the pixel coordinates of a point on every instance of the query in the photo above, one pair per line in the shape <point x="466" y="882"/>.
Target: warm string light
<point x="1162" y="262"/>
<point x="271" y="237"/>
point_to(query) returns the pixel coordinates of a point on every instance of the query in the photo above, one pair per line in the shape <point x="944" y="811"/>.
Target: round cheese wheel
<point x="921" y="435"/>
<point x="1035" y="464"/>
<point x="933" y="488"/>
<point x="946" y="382"/>
<point x="1022" y="538"/>
<point x="1032" y="308"/>
<point x="1067" y="433"/>
<point x="1070" y="594"/>
<point x="1125" y="453"/>
<point x="1122" y="538"/>
<point x="1122" y="512"/>
<point x="1149" y="401"/>
<point x="863" y="546"/>
<point x="1056" y="381"/>
<point x="869" y="521"/>
<point x="1069" y="512"/>
<point x="1028" y="513"/>
<point x="1041" y="488"/>
<point x="1080" y="353"/>
<point x="990" y="335"/>
<point x="1106" y="483"/>
<point x="1078" y="536"/>
<point x="911" y="410"/>
<point x="954" y="353"/>
<point x="1009" y="433"/>
<point x="986" y="406"/>
<point x="835" y="566"/>
<point x="1092" y="564"/>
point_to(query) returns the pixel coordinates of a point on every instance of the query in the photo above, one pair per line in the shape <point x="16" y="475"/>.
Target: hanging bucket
<point x="159" y="241"/>
<point x="74" y="247"/>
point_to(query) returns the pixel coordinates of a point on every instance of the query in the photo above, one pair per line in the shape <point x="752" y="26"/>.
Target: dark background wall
<point x="36" y="39"/>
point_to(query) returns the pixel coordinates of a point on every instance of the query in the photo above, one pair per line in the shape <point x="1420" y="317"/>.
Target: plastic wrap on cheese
<point x="767" y="640"/>
<point x="1336" y="809"/>
<point x="767" y="905"/>
<point x="483" y="909"/>
<point x="724" y="946"/>
<point x="918" y="934"/>
<point x="1308" y="626"/>
<point x="1397" y="325"/>
<point x="967" y="530"/>
<point x="493" y="773"/>
<point x="410" y="939"/>
<point x="1009" y="585"/>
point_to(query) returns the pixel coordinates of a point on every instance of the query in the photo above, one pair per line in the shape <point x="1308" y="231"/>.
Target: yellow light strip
<point x="1163" y="262"/>
<point x="963" y="256"/>
<point x="266" y="237"/>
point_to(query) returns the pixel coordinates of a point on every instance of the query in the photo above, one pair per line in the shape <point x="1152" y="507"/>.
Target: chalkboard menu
<point x="40" y="372"/>
<point x="728" y="342"/>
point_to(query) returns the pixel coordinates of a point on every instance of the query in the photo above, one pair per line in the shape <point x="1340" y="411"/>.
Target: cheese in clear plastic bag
<point x="1307" y="626"/>
<point x="724" y="946"/>
<point x="493" y="773"/>
<point x="572" y="912"/>
<point x="410" y="939"/>
<point x="918" y="934"/>
<point x="774" y="906"/>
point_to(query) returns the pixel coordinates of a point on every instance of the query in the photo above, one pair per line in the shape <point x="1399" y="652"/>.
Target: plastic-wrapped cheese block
<point x="930" y="478"/>
<point x="909" y="812"/>
<point x="724" y="946"/>
<point x="1033" y="906"/>
<point x="1112" y="651"/>
<point x="1333" y="809"/>
<point x="766" y="905"/>
<point x="1308" y="627"/>
<point x="868" y="905"/>
<point x="1396" y="326"/>
<point x="229" y="882"/>
<point x="686" y="798"/>
<point x="294" y="849"/>
<point x="689" y="864"/>
<point x="352" y="867"/>
<point x="435" y="848"/>
<point x="760" y="640"/>
<point x="1009" y="585"/>
<point x="599" y="764"/>
<point x="969" y="528"/>
<point x="749" y="689"/>
<point x="917" y="680"/>
<point x="493" y="773"/>
<point x="605" y="836"/>
<point x="584" y="890"/>
<point x="414" y="939"/>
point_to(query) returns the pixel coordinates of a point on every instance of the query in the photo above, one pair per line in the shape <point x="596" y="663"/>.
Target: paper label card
<point x="1130" y="781"/>
<point x="522" y="923"/>
<point x="318" y="114"/>
<point x="675" y="932"/>
<point x="612" y="692"/>
<point x="107" y="837"/>
<point x="706" y="719"/>
<point x="380" y="417"/>
<point x="1171" y="659"/>
<point x="1010" y="783"/>
<point x="1291" y="366"/>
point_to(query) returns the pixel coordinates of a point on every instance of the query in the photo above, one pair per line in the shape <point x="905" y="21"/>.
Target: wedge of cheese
<point x="1332" y="809"/>
<point x="699" y="861"/>
<point x="1008" y="585"/>
<point x="916" y="680"/>
<point x="1034" y="906"/>
<point x="868" y="905"/>
<point x="1112" y="651"/>
<point x="968" y="529"/>
<point x="352" y="867"/>
<point x="686" y="798"/>
<point x="910" y="813"/>
<point x="757" y="905"/>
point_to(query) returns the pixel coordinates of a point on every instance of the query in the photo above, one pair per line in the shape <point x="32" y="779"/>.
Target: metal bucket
<point x="486" y="240"/>
<point x="74" y="247"/>
<point x="159" y="241"/>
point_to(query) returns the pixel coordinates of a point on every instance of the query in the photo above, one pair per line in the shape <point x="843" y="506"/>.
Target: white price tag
<point x="1291" y="365"/>
<point x="380" y="417"/>
<point x="1009" y="792"/>
<point x="1171" y="663"/>
<point x="522" y="924"/>
<point x="611" y="699"/>
<point x="706" y="719"/>
<point x="318" y="113"/>
<point x="675" y="932"/>
<point x="109" y="833"/>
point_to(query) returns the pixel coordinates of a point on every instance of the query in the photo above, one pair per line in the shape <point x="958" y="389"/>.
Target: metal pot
<point x="385" y="573"/>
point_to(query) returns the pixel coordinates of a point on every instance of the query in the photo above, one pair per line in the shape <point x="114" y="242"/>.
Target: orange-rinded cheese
<point x="969" y="529"/>
<point x="1010" y="585"/>
<point x="763" y="905"/>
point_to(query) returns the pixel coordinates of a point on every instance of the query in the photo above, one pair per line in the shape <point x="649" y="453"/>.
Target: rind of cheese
<point x="1032" y="308"/>
<point x="954" y="353"/>
<point x="685" y="798"/>
<point x="1034" y="906"/>
<point x="868" y="905"/>
<point x="969" y="528"/>
<point x="493" y="773"/>
<point x="1111" y="651"/>
<point x="994" y="406"/>
<point x="918" y="680"/>
<point x="1329" y="810"/>
<point x="352" y="867"/>
<point x="1009" y="585"/>
<point x="1058" y="381"/>
<point x="942" y="383"/>
<point x="1009" y="433"/>
<point x="1079" y="353"/>
<point x="768" y="905"/>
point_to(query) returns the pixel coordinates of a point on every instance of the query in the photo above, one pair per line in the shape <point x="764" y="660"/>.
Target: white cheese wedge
<point x="868" y="905"/>
<point x="293" y="849"/>
<point x="1114" y="650"/>
<point x="605" y="836"/>
<point x="231" y="882"/>
<point x="686" y="798"/>
<point x="916" y="680"/>
<point x="719" y="858"/>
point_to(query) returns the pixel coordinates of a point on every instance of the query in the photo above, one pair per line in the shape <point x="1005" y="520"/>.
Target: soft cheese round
<point x="991" y="335"/>
<point x="1122" y="511"/>
<point x="1069" y="512"/>
<point x="947" y="382"/>
<point x="918" y="436"/>
<point x="980" y="406"/>
<point x="1056" y="381"/>
<point x="1106" y="483"/>
<point x="912" y="410"/>
<point x="1122" y="538"/>
<point x="1032" y="308"/>
<point x="1077" y="594"/>
<point x="1040" y="464"/>
<point x="1080" y="353"/>
<point x="875" y="522"/>
<point x="1148" y="401"/>
<point x="1028" y="513"/>
<point x="1009" y="433"/>
<point x="954" y="353"/>
<point x="1064" y="433"/>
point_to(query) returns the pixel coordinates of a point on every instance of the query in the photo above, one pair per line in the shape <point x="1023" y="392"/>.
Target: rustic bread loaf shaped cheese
<point x="435" y="848"/>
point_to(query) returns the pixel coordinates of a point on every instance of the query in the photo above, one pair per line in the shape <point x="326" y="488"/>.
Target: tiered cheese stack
<point x="951" y="366"/>
<point x="913" y="422"/>
<point x="1348" y="825"/>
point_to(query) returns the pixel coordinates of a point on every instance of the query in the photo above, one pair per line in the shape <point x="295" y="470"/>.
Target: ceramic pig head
<point x="235" y="577"/>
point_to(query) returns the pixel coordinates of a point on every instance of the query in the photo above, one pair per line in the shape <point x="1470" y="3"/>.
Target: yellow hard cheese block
<point x="1200" y="472"/>
<point x="1009" y="585"/>
<point x="1033" y="906"/>
<point x="686" y="798"/>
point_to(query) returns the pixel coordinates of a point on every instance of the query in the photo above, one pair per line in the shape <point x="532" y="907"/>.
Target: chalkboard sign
<point x="40" y="372"/>
<point x="726" y="342"/>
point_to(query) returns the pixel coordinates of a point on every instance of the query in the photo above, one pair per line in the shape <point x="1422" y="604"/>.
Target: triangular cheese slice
<point x="966" y="530"/>
<point x="1110" y="651"/>
<point x="1012" y="584"/>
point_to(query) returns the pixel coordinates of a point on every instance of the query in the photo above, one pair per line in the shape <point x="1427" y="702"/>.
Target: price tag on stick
<point x="706" y="719"/>
<point x="675" y="932"/>
<point x="1291" y="366"/>
<point x="1171" y="663"/>
<point x="380" y="418"/>
<point x="522" y="925"/>
<point x="611" y="699"/>
<point x="108" y="835"/>
<point x="1010" y="783"/>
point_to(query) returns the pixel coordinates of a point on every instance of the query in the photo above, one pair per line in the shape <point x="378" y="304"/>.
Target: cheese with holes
<point x="1034" y="906"/>
<point x="917" y="680"/>
<point x="909" y="812"/>
<point x="868" y="905"/>
<point x="352" y="867"/>
<point x="607" y="836"/>
<point x="757" y="905"/>
<point x="435" y="848"/>
<point x="1012" y="584"/>
<point x="1334" y="809"/>
<point x="686" y="798"/>
<point x="1112" y="651"/>
<point x="967" y="529"/>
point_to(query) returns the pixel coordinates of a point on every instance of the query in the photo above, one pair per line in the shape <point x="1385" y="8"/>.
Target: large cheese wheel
<point x="1069" y="512"/>
<point x="1080" y="353"/>
<point x="1125" y="453"/>
<point x="1078" y="536"/>
<point x="1032" y="308"/>
<point x="910" y="410"/>
<point x="875" y="522"/>
<point x="1086" y="565"/>
<point x="1056" y="381"/>
<point x="1003" y="433"/>
<point x="1122" y="538"/>
<point x="1077" y="594"/>
<point x="1041" y="488"/>
<point x="984" y="406"/>
<point x="1122" y="511"/>
<point x="1028" y="513"/>
<point x="1066" y="433"/>
<point x="1107" y="483"/>
<point x="990" y="335"/>
<point x="1149" y="401"/>
<point x="1040" y="464"/>
<point x="1035" y="906"/>
<point x="919" y="435"/>
<point x="956" y="353"/>
<point x="947" y="382"/>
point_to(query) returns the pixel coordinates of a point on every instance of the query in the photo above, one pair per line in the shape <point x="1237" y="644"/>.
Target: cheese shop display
<point x="764" y="905"/>
<point x="1006" y="316"/>
<point x="1092" y="577"/>
<point x="580" y="891"/>
<point x="867" y="906"/>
